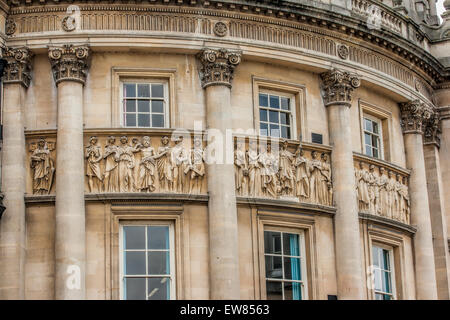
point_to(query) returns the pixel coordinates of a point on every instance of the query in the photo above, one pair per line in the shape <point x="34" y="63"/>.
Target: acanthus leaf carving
<point x="69" y="63"/>
<point x="217" y="66"/>
<point x="338" y="86"/>
<point x="413" y="116"/>
<point x="18" y="66"/>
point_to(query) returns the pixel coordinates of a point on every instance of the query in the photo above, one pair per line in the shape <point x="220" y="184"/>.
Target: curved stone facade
<point x="261" y="138"/>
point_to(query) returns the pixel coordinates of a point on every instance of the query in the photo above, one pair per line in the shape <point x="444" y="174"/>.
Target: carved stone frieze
<point x="382" y="193"/>
<point x="10" y="27"/>
<point x="343" y="51"/>
<point x="338" y="86"/>
<point x="217" y="66"/>
<point x="262" y="172"/>
<point x="42" y="164"/>
<point x="69" y="63"/>
<point x="413" y="115"/>
<point x="220" y="29"/>
<point x="18" y="66"/>
<point x="138" y="164"/>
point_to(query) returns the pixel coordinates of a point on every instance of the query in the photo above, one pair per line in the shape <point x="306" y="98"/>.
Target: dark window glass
<point x="263" y="100"/>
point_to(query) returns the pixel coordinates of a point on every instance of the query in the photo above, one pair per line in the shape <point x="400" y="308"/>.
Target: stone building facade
<point x="217" y="149"/>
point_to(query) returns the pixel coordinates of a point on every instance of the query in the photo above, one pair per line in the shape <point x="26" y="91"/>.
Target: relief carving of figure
<point x="390" y="187"/>
<point x="241" y="170"/>
<point x="326" y="187"/>
<point x="147" y="167"/>
<point x="384" y="194"/>
<point x="93" y="155"/>
<point x="374" y="191"/>
<point x="197" y="166"/>
<point x="301" y="175"/>
<point x="362" y="188"/>
<point x="286" y="172"/>
<point x="165" y="169"/>
<point x="111" y="176"/>
<point x="404" y="201"/>
<point x="254" y="169"/>
<point x="43" y="168"/>
<point x="315" y="178"/>
<point x="180" y="165"/>
<point x="126" y="163"/>
<point x="269" y="163"/>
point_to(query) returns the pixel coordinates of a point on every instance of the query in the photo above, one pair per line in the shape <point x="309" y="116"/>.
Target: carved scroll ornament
<point x="338" y="86"/>
<point x="18" y="66"/>
<point x="217" y="66"/>
<point x="69" y="63"/>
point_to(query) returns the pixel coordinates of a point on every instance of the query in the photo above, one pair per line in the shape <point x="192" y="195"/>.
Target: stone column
<point x="217" y="67"/>
<point x="12" y="225"/>
<point x="338" y="87"/>
<point x="69" y="67"/>
<point x="436" y="192"/>
<point x="413" y="114"/>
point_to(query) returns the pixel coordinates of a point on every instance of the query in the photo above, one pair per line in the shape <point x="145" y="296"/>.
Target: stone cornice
<point x="338" y="87"/>
<point x="217" y="66"/>
<point x="322" y="16"/>
<point x="18" y="66"/>
<point x="69" y="63"/>
<point x="415" y="116"/>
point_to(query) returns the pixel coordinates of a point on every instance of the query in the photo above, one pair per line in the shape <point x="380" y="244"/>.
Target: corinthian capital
<point x="217" y="66"/>
<point x="414" y="114"/>
<point x="69" y="63"/>
<point x="338" y="86"/>
<point x="432" y="129"/>
<point x="18" y="66"/>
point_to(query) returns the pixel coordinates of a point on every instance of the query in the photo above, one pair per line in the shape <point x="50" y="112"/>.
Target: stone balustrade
<point x="376" y="15"/>
<point x="382" y="189"/>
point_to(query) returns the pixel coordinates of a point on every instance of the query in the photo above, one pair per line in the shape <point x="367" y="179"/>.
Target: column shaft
<point x="420" y="217"/>
<point x="223" y="227"/>
<point x="70" y="247"/>
<point x="347" y="235"/>
<point x="12" y="224"/>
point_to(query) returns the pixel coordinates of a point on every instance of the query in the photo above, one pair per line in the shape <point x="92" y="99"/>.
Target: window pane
<point x="377" y="275"/>
<point x="274" y="130"/>
<point x="262" y="114"/>
<point x="387" y="282"/>
<point x="386" y="264"/>
<point x="134" y="288"/>
<point x="292" y="269"/>
<point x="379" y="296"/>
<point x="130" y="105"/>
<point x="158" y="289"/>
<point x="273" y="267"/>
<point x="292" y="291"/>
<point x="263" y="129"/>
<point x="368" y="125"/>
<point x="375" y="153"/>
<point x="274" y="290"/>
<point x="144" y="120"/>
<point x="134" y="237"/>
<point x="375" y="127"/>
<point x="134" y="262"/>
<point x="157" y="91"/>
<point x="158" y="237"/>
<point x="376" y="256"/>
<point x="284" y="118"/>
<point x="130" y="120"/>
<point x="273" y="117"/>
<point x="143" y="106"/>
<point x="367" y="139"/>
<point x="285" y="132"/>
<point x="157" y="120"/>
<point x="375" y="141"/>
<point x="129" y="90"/>
<point x="368" y="150"/>
<point x="272" y="242"/>
<point x="285" y="103"/>
<point x="263" y="100"/>
<point x="290" y="244"/>
<point x="143" y="90"/>
<point x="158" y="106"/>
<point x="158" y="262"/>
<point x="275" y="102"/>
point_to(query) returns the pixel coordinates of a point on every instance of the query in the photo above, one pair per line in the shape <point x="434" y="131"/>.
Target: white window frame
<point x="302" y="257"/>
<point x="392" y="270"/>
<point x="172" y="248"/>
<point x="292" y="112"/>
<point x="150" y="81"/>
<point x="380" y="135"/>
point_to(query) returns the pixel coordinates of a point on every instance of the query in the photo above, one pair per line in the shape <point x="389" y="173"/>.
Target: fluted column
<point x="16" y="80"/>
<point x="69" y="67"/>
<point x="337" y="88"/>
<point x="217" y="67"/>
<point x="413" y="114"/>
<point x="435" y="186"/>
